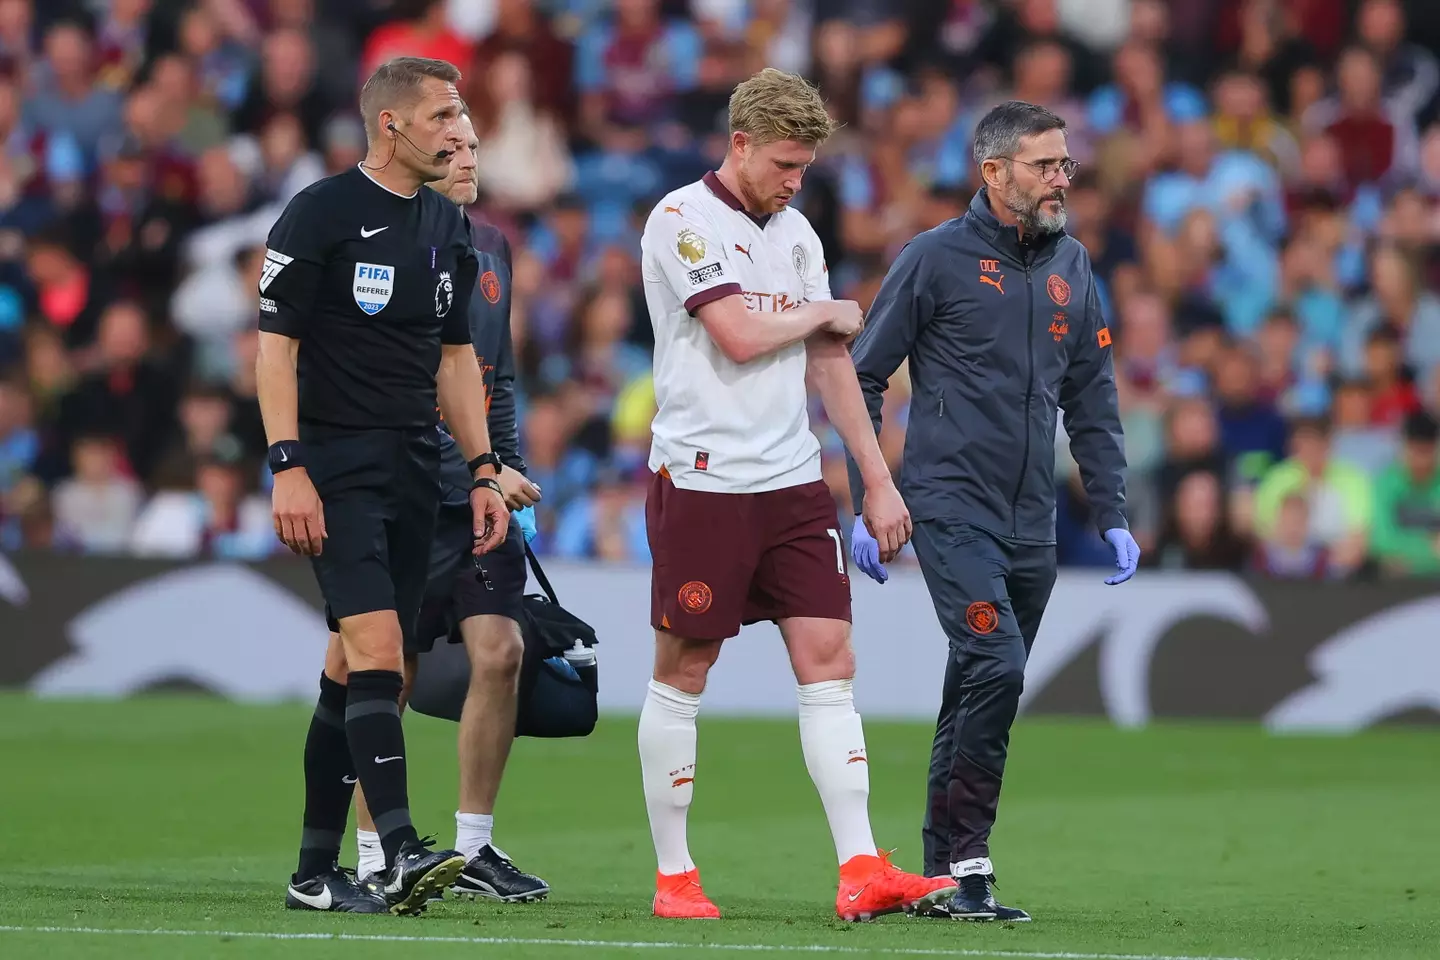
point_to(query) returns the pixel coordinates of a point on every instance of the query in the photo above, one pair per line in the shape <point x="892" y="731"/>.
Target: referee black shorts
<point x="462" y="585"/>
<point x="380" y="492"/>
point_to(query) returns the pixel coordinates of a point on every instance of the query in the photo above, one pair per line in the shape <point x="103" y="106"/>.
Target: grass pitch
<point x="166" y="828"/>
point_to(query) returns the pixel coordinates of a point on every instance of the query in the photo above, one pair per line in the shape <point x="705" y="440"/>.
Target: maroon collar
<point x="712" y="180"/>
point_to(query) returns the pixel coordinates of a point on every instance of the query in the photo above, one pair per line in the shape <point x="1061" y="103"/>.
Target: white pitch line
<point x="613" y="944"/>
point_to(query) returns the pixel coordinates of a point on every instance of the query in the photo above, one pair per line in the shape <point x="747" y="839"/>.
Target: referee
<point x="998" y="316"/>
<point x="364" y="296"/>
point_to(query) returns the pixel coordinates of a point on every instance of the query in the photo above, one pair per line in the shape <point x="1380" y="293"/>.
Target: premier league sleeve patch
<point x="374" y="283"/>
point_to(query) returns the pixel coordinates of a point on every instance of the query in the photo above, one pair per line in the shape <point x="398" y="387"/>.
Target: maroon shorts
<point x="721" y="560"/>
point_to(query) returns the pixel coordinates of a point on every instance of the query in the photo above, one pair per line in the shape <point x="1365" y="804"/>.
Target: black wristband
<point x="490" y="459"/>
<point x="286" y="454"/>
<point x="487" y="482"/>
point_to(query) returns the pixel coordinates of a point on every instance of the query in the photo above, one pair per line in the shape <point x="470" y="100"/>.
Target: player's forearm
<point x="460" y="389"/>
<point x="743" y="335"/>
<point x="277" y="387"/>
<point x="833" y="374"/>
<point x="772" y="332"/>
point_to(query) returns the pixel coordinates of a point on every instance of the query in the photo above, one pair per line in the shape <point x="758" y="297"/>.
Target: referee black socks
<point x="377" y="748"/>
<point x="329" y="782"/>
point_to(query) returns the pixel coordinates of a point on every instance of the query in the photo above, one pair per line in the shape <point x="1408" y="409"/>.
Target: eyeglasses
<point x="1047" y="169"/>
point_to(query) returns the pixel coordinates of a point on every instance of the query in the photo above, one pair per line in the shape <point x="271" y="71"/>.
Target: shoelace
<point x="976" y="885"/>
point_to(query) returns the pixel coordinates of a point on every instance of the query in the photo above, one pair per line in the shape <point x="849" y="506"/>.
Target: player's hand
<point x="492" y="519"/>
<point x="846" y="320"/>
<point x="298" y="514"/>
<point x="519" y="491"/>
<point x="866" y="552"/>
<point x="888" y="519"/>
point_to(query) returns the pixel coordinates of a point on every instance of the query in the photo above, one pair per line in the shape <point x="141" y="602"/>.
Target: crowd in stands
<point x="1259" y="191"/>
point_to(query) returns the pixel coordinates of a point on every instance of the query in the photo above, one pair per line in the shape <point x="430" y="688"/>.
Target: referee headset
<point x="437" y="155"/>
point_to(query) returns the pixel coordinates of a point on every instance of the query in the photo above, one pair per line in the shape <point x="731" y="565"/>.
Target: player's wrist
<point x="488" y="483"/>
<point x="876" y="477"/>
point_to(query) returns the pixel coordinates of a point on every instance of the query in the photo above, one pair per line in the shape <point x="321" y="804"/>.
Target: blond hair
<point x="774" y="105"/>
<point x="397" y="85"/>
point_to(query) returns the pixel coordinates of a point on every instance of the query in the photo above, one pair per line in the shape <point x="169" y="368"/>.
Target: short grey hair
<point x="1000" y="131"/>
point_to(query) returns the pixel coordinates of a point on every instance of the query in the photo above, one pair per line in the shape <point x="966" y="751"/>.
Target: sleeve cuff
<point x="1109" y="520"/>
<point x="697" y="300"/>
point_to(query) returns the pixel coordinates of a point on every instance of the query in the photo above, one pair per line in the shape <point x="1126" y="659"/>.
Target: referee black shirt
<point x="371" y="283"/>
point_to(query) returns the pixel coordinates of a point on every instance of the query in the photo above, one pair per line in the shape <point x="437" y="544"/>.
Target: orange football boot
<point x="678" y="897"/>
<point x="872" y="886"/>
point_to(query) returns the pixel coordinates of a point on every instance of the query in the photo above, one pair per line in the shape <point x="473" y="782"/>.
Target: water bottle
<point x="582" y="659"/>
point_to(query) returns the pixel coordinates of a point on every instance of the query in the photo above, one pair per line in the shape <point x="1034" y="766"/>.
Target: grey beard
<point x="1030" y="215"/>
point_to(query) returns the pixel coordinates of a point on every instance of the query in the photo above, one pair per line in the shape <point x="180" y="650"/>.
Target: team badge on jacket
<point x="374" y="283"/>
<point x="444" y="294"/>
<point x="800" y="259"/>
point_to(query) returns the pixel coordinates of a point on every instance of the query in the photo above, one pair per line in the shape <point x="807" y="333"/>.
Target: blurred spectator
<point x="126" y="392"/>
<point x="1291" y="550"/>
<point x="1377" y="139"/>
<point x="19" y="451"/>
<point x="519" y="27"/>
<point x="606" y="524"/>
<point x="1196" y="534"/>
<point x="1411" y="76"/>
<point x="421" y="31"/>
<point x="222" y="63"/>
<point x="64" y="95"/>
<point x="288" y="84"/>
<point x="71" y="297"/>
<point x="217" y="520"/>
<point x="1357" y="437"/>
<point x="1399" y="303"/>
<point x="629" y="71"/>
<point x="1406" y="539"/>
<point x="1338" y="496"/>
<point x="523" y="162"/>
<point x="95" y="508"/>
<point x="1252" y="432"/>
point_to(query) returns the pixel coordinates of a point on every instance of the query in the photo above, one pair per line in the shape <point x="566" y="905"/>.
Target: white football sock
<point x="472" y="831"/>
<point x="372" y="855"/>
<point x="833" y="742"/>
<point x="667" y="768"/>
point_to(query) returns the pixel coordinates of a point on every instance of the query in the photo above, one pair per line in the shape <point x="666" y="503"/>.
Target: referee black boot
<point x="337" y="890"/>
<point x="419" y="875"/>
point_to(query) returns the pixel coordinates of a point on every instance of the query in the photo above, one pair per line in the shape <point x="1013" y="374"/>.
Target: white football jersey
<point x="723" y="426"/>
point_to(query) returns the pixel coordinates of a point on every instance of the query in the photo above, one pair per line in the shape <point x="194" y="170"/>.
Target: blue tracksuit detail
<point x="1000" y="335"/>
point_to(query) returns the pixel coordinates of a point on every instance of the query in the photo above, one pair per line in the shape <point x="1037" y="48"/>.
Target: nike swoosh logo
<point x="387" y="759"/>
<point x="853" y="897"/>
<point x="321" y="901"/>
<point x="349" y="779"/>
<point x="367" y="234"/>
<point x="284" y="457"/>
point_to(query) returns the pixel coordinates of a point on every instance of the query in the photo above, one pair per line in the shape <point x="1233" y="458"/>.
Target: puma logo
<point x="746" y="251"/>
<point x="994" y="283"/>
<point x="675" y="210"/>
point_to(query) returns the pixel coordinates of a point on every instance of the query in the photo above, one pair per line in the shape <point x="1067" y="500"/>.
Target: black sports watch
<point x="490" y="459"/>
<point x="284" y="455"/>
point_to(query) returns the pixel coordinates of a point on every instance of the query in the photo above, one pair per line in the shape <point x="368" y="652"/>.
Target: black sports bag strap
<point x="540" y="577"/>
